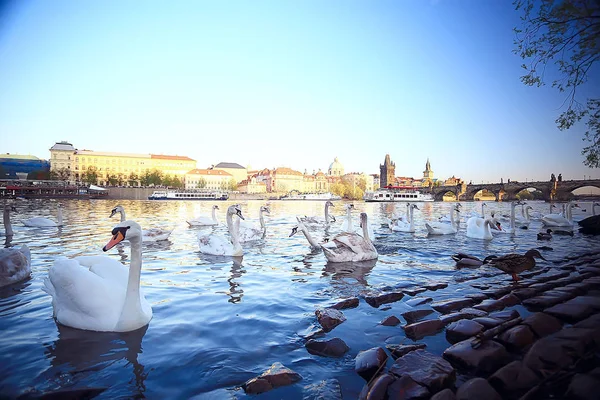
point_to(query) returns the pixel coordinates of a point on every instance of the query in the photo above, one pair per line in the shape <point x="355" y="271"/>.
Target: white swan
<point x="205" y="221"/>
<point x="41" y="222"/>
<point x="347" y="225"/>
<point x="148" y="235"/>
<point x="406" y="226"/>
<point x="479" y="228"/>
<point x="304" y="230"/>
<point x="249" y="232"/>
<point x="15" y="264"/>
<point x="98" y="293"/>
<point x="443" y="228"/>
<point x="525" y="218"/>
<point x="318" y="220"/>
<point x="351" y="246"/>
<point x="474" y="212"/>
<point x="220" y="245"/>
<point x="513" y="223"/>
<point x="448" y="217"/>
<point x="558" y="219"/>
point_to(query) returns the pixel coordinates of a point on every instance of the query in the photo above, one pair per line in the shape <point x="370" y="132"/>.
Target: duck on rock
<point x="514" y="264"/>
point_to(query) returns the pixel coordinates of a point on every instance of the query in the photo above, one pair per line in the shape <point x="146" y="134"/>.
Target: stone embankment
<point x="535" y="339"/>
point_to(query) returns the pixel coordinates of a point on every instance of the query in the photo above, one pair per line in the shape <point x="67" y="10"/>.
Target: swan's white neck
<point x="513" y="206"/>
<point x="122" y="212"/>
<point x="234" y="231"/>
<point x="308" y="236"/>
<point x="60" y="216"/>
<point x="327" y="213"/>
<point x="482" y="210"/>
<point x="214" y="214"/>
<point x="6" y="220"/>
<point x="349" y="218"/>
<point x="261" y="218"/>
<point x="412" y="220"/>
<point x="132" y="305"/>
<point x="452" y="221"/>
<point x="365" y="229"/>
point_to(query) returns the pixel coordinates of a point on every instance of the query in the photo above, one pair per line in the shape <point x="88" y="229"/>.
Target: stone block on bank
<point x="542" y="324"/>
<point x="419" y="330"/>
<point x="415" y="315"/>
<point x="584" y="387"/>
<point x="513" y="378"/>
<point x="369" y="362"/>
<point x="406" y="388"/>
<point x="277" y="375"/>
<point x="329" y="318"/>
<point x="376" y="301"/>
<point x="348" y="303"/>
<point x="488" y="357"/>
<point x="448" y="306"/>
<point x="392" y="320"/>
<point x="462" y="330"/>
<point x="335" y="347"/>
<point x="517" y="337"/>
<point x="477" y="389"/>
<point x="399" y="350"/>
<point x="417" y="301"/>
<point x="426" y="369"/>
<point x="445" y="394"/>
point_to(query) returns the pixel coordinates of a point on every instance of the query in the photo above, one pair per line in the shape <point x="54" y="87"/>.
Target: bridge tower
<point x="388" y="172"/>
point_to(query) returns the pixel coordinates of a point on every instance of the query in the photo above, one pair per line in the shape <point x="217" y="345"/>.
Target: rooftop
<point x="18" y="157"/>
<point x="229" y="165"/>
<point x="167" y="157"/>
<point x="65" y="146"/>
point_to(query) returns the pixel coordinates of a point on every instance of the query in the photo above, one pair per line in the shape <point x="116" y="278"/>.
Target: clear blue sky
<point x="283" y="83"/>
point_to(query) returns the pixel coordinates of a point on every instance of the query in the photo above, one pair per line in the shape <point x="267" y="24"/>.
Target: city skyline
<point x="270" y="84"/>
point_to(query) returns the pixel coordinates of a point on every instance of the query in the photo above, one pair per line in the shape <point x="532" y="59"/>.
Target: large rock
<point x="465" y="313"/>
<point x="513" y="379"/>
<point x="418" y="301"/>
<point x="477" y="389"/>
<point x="276" y="376"/>
<point x="392" y="320"/>
<point x="406" y="388"/>
<point x="505" y="315"/>
<point x="369" y="362"/>
<point x="376" y="301"/>
<point x="335" y="347"/>
<point x="584" y="387"/>
<point x="517" y="337"/>
<point x="415" y="315"/>
<point x="488" y="322"/>
<point x="547" y="356"/>
<point x="377" y="390"/>
<point x="542" y="324"/>
<point x="348" y="303"/>
<point x="399" y="350"/>
<point x="436" y="286"/>
<point x="445" y="394"/>
<point x="329" y="318"/>
<point x="426" y="369"/>
<point x="324" y="390"/>
<point x="525" y="293"/>
<point x="490" y="305"/>
<point x="448" y="306"/>
<point x="570" y="312"/>
<point x="419" y="330"/>
<point x="461" y="330"/>
<point x="488" y="357"/>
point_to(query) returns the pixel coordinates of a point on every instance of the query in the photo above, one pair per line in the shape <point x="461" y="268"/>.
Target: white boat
<point x="389" y="194"/>
<point x="188" y="195"/>
<point x="310" y="196"/>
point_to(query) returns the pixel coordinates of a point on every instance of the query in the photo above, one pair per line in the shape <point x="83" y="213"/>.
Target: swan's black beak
<point x="113" y="212"/>
<point x="294" y="231"/>
<point x="118" y="237"/>
<point x="238" y="212"/>
<point x="333" y="218"/>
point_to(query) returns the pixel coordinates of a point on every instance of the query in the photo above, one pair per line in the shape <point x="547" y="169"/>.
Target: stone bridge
<point x="507" y="191"/>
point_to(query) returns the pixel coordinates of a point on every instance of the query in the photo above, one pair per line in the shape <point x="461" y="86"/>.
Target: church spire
<point x="427" y="165"/>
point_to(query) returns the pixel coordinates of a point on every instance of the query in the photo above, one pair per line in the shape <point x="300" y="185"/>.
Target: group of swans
<point x="314" y="220"/>
<point x="405" y="224"/>
<point x="15" y="264"/>
<point x="444" y="228"/>
<point x="221" y="245"/>
<point x="559" y="219"/>
<point x="205" y="221"/>
<point x="345" y="246"/>
<point x="42" y="222"/>
<point x="148" y="235"/>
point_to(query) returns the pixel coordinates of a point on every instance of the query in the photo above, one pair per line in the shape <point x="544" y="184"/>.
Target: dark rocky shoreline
<point x="538" y="338"/>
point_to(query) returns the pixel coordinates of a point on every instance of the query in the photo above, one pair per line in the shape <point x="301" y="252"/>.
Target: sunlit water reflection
<point x="219" y="321"/>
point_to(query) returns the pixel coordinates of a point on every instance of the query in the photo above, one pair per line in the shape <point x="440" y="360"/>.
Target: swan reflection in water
<point x="349" y="277"/>
<point x="80" y="354"/>
<point x="237" y="270"/>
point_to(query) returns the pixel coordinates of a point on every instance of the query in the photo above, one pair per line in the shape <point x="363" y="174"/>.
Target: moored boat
<point x="310" y="196"/>
<point x="188" y="195"/>
<point x="395" y="193"/>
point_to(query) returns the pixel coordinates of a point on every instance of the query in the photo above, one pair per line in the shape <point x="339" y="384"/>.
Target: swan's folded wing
<point x="105" y="267"/>
<point x="83" y="298"/>
<point x="352" y="241"/>
<point x="14" y="266"/>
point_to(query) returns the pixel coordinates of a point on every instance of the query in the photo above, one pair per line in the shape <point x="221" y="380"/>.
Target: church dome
<point x="336" y="168"/>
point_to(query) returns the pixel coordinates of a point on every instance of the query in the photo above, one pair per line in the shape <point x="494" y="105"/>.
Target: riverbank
<point x="537" y="338"/>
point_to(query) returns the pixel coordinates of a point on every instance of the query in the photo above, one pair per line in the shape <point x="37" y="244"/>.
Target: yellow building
<point x="121" y="165"/>
<point x="354" y="179"/>
<point x="213" y="179"/>
<point x="252" y="186"/>
<point x="238" y="172"/>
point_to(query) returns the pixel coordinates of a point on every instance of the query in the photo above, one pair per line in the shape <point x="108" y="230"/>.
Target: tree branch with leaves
<point x="564" y="34"/>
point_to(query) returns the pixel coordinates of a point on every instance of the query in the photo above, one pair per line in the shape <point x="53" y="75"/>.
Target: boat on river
<point x="310" y="196"/>
<point x="397" y="193"/>
<point x="188" y="195"/>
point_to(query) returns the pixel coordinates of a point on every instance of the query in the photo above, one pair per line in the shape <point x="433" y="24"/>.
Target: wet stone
<point x="541" y="287"/>
<point x="525" y="293"/>
<point x="377" y="390"/>
<point x="436" y="286"/>
<point x="545" y="301"/>
<point x="496" y="293"/>
<point x="592" y="322"/>
<point x="414" y="291"/>
<point x="417" y="301"/>
<point x="583" y="387"/>
<point x="547" y="356"/>
<point x="277" y="375"/>
<point x="406" y="388"/>
<point x="577" y="340"/>
<point x="480" y="286"/>
<point x="324" y="390"/>
<point x="376" y="301"/>
<point x="392" y="320"/>
<point x="488" y="322"/>
<point x="448" y="306"/>
<point x="517" y="337"/>
<point x="477" y="389"/>
<point x="445" y="394"/>
<point x="542" y="324"/>
<point x="476" y="297"/>
<point x="368" y="362"/>
<point x="348" y="303"/>
<point x="505" y="315"/>
<point x="462" y="330"/>
<point x="552" y="276"/>
<point x="449" y="318"/>
<point x="398" y="350"/>
<point x="426" y="369"/>
<point x="514" y="378"/>
<point x="335" y="347"/>
<point x="490" y="305"/>
<point x="414" y="316"/>
<point x="570" y="312"/>
<point x="486" y="358"/>
<point x="329" y="318"/>
<point x="593" y="282"/>
<point x="419" y="330"/>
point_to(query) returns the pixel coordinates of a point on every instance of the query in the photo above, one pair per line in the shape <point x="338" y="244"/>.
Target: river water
<point x="219" y="321"/>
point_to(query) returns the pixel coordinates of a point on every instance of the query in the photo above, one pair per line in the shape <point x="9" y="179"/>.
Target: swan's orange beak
<point x="117" y="238"/>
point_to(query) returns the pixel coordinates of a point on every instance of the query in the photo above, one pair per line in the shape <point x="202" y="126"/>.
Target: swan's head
<point x="9" y="207"/>
<point x="294" y="231"/>
<point x="328" y="203"/>
<point x="265" y="209"/>
<point x="215" y="207"/>
<point x="126" y="230"/>
<point x="533" y="253"/>
<point x="115" y="210"/>
<point x="235" y="210"/>
<point x="349" y="206"/>
<point x="363" y="219"/>
<point x="414" y="206"/>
